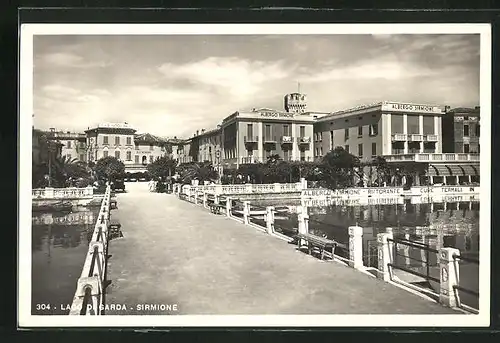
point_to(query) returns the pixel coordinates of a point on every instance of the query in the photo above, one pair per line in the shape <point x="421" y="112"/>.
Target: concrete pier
<point x="176" y="253"/>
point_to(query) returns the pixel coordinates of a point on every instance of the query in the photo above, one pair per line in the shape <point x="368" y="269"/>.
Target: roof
<point x="464" y="110"/>
<point x="149" y="138"/>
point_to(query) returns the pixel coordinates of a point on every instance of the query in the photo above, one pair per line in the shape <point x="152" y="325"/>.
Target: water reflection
<point x="59" y="245"/>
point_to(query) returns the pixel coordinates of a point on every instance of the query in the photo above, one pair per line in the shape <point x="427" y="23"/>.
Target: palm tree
<point x="203" y="171"/>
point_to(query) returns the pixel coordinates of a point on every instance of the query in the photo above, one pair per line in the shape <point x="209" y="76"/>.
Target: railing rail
<point x="89" y="296"/>
<point x="62" y="193"/>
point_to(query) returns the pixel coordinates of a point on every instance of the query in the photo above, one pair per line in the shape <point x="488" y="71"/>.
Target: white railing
<point x="415" y="138"/>
<point x="69" y="219"/>
<point x="62" y="193"/>
<point x="424" y="157"/>
<point x="430" y="138"/>
<point x="246" y="188"/>
<point x="399" y="137"/>
<point x="88" y="298"/>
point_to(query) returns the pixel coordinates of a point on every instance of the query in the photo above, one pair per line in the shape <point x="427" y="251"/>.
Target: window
<point x="397" y="123"/>
<point x="466" y="148"/>
<point x="477" y="130"/>
<point x="428" y="125"/>
<point x="105" y="140"/>
<point x="68" y="156"/>
<point x="82" y="157"/>
<point x="286" y="155"/>
<point x="346" y="148"/>
<point x="82" y="145"/>
<point x="267" y="131"/>
<point x="117" y="140"/>
<point x="360" y="131"/>
<point x="360" y="150"/>
<point x="104" y="153"/>
<point x="129" y="155"/>
<point x="412" y="124"/>
<point x="346" y="133"/>
<point x="286" y="131"/>
<point x="151" y="147"/>
<point x="331" y="140"/>
<point x="250" y="130"/>
<point x="374" y="130"/>
<point x="151" y="158"/>
<point x="69" y="145"/>
<point x="374" y="149"/>
<point x="137" y="147"/>
<point x="250" y="152"/>
<point x="321" y="151"/>
<point x="302" y="131"/>
<point x="129" y="140"/>
<point x="466" y="118"/>
<point x="137" y="159"/>
<point x="117" y="154"/>
<point x="466" y="130"/>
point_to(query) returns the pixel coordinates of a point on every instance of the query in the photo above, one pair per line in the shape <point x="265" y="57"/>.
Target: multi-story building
<point x="149" y="148"/>
<point x="461" y="130"/>
<point x="399" y="132"/>
<point x="74" y="145"/>
<point x="253" y="136"/>
<point x="111" y="139"/>
<point x="209" y="146"/>
<point x="43" y="148"/>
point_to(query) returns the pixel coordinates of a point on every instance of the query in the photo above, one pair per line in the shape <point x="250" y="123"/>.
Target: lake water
<point x="59" y="247"/>
<point x="436" y="224"/>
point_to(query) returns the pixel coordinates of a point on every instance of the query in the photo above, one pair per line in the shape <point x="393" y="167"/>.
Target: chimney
<point x="197" y="132"/>
<point x="202" y="131"/>
<point x="477" y="108"/>
<point x="175" y="137"/>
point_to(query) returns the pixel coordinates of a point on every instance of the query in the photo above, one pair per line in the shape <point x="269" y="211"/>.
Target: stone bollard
<point x="302" y="218"/>
<point x="246" y="211"/>
<point x="228" y="206"/>
<point x="205" y="199"/>
<point x="449" y="270"/>
<point x="384" y="256"/>
<point x="270" y="219"/>
<point x="356" y="247"/>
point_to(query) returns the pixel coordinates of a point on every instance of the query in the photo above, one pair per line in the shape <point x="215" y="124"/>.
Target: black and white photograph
<point x="254" y="175"/>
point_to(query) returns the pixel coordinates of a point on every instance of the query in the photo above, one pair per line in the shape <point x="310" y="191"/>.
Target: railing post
<point x="246" y="211"/>
<point x="303" y="222"/>
<point x="196" y="196"/>
<point x="390" y="231"/>
<point x="49" y="192"/>
<point x="406" y="250"/>
<point x="384" y="256"/>
<point x="270" y="219"/>
<point x="248" y="188"/>
<point x="228" y="206"/>
<point x="205" y="198"/>
<point x="449" y="270"/>
<point x="356" y="247"/>
<point x="216" y="199"/>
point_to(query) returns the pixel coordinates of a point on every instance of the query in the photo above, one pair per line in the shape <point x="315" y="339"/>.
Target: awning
<point x="439" y="170"/>
<point x="456" y="170"/>
<point x="471" y="169"/>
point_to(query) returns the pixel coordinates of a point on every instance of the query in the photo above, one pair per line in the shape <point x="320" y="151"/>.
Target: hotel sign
<point x="399" y="107"/>
<point x="115" y="125"/>
<point x="281" y="115"/>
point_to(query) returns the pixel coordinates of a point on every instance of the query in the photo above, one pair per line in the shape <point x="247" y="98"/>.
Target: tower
<point x="296" y="102"/>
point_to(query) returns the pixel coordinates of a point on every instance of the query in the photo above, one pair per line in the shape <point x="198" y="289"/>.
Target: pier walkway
<point x="174" y="252"/>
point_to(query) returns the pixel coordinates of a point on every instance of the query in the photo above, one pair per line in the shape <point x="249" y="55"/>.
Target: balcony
<point x="304" y="140"/>
<point x="270" y="140"/>
<point x="430" y="138"/>
<point x="432" y="157"/>
<point x="251" y="139"/>
<point x="249" y="159"/>
<point x="415" y="138"/>
<point x="286" y="139"/>
<point x="399" y="137"/>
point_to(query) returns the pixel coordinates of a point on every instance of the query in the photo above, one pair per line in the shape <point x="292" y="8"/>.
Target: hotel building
<point x="399" y="132"/>
<point x="461" y="130"/>
<point x="73" y="144"/>
<point x="253" y="136"/>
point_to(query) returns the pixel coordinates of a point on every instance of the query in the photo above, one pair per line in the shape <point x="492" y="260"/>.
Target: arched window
<point x="144" y="160"/>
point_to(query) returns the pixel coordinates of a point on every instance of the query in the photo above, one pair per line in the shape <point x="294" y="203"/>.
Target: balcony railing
<point x="286" y="139"/>
<point x="423" y="157"/>
<point x="251" y="139"/>
<point x="271" y="139"/>
<point x="249" y="159"/>
<point x="415" y="138"/>
<point x="304" y="140"/>
<point x="430" y="138"/>
<point x="399" y="137"/>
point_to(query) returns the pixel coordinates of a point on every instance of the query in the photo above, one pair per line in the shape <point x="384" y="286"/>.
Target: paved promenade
<point x="175" y="252"/>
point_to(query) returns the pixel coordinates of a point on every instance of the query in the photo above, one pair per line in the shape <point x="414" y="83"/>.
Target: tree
<point x="109" y="168"/>
<point x="162" y="167"/>
<point x="201" y="171"/>
<point x="338" y="168"/>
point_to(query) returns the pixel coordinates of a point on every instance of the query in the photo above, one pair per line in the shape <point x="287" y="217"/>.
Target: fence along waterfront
<point x="266" y="219"/>
<point x="62" y="193"/>
<point x="89" y="298"/>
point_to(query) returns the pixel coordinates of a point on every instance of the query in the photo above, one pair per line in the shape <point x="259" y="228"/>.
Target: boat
<point x="60" y="206"/>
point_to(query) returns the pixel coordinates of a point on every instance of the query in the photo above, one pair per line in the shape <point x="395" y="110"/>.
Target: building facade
<point x="461" y="130"/>
<point x="74" y="144"/>
<point x="399" y="132"/>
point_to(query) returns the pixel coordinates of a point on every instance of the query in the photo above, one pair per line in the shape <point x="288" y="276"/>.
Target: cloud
<point x="70" y="60"/>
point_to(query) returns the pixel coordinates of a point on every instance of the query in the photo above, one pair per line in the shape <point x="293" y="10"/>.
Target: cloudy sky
<point x="173" y="85"/>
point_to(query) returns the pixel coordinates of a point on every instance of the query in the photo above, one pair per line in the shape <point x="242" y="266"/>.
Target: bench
<point x="113" y="204"/>
<point x="216" y="208"/>
<point x="114" y="229"/>
<point x="316" y="242"/>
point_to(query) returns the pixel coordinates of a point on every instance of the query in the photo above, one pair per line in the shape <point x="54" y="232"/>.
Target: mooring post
<point x="384" y="256"/>
<point x="449" y="270"/>
<point x="246" y="211"/>
<point x="228" y="206"/>
<point x="270" y="219"/>
<point x="356" y="247"/>
<point x="205" y="198"/>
